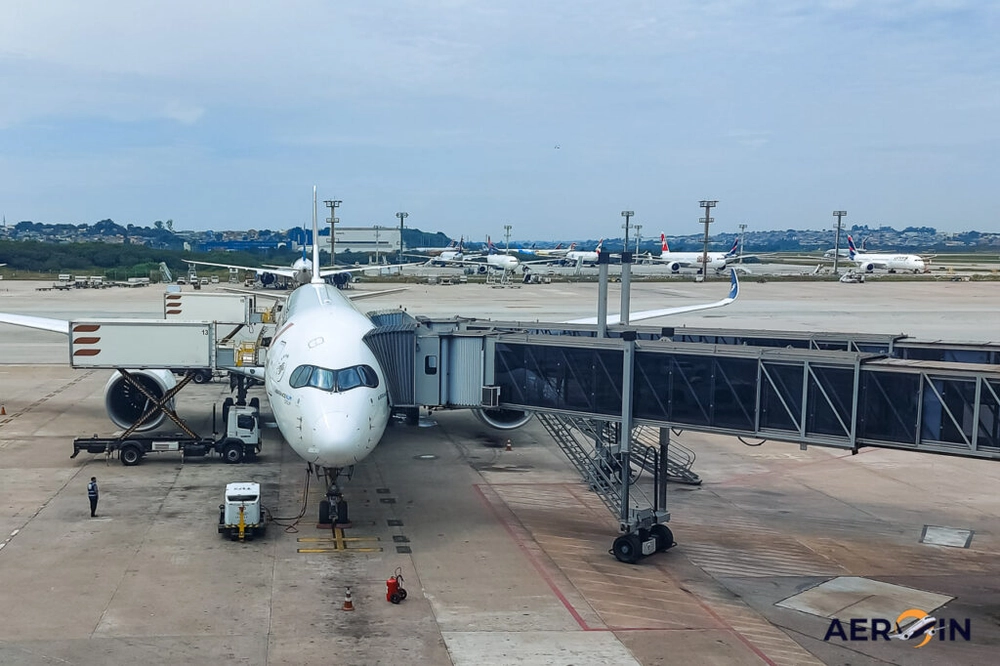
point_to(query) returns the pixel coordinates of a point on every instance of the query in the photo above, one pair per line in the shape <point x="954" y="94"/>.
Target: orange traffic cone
<point x="508" y="445"/>
<point x="348" y="604"/>
<point x="3" y="410"/>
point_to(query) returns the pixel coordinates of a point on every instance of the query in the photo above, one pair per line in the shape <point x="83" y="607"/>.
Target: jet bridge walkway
<point x="823" y="389"/>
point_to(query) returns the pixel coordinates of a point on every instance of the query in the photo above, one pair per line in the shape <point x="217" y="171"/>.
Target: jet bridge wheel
<point x="664" y="537"/>
<point x="627" y="548"/>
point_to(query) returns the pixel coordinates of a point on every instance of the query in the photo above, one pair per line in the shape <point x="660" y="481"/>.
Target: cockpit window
<point x="335" y="381"/>
<point x="300" y="376"/>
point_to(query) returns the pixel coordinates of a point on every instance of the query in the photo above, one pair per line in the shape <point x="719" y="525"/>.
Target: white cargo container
<point x="220" y="308"/>
<point x="141" y="343"/>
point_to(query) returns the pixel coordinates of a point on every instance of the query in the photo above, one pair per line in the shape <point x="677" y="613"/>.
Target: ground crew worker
<point x="92" y="494"/>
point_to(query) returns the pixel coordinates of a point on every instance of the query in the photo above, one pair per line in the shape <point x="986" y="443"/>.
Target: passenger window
<point x="300" y="376"/>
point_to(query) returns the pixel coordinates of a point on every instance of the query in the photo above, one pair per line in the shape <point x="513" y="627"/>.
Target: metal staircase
<point x="680" y="459"/>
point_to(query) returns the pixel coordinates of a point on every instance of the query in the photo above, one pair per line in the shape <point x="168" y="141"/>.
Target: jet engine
<point x="482" y="269"/>
<point x="868" y="268"/>
<point x="341" y="280"/>
<point x="126" y="403"/>
<point x="675" y="266"/>
<point x="267" y="278"/>
<point x="503" y="419"/>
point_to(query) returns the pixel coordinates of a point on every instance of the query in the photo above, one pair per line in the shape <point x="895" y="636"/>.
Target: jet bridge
<point x="828" y="389"/>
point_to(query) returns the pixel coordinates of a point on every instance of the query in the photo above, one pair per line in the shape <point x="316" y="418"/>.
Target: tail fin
<point x="851" y="250"/>
<point x="600" y="244"/>
<point x="490" y="247"/>
<point x="734" y="248"/>
<point x="316" y="279"/>
<point x="572" y="246"/>
<point x="663" y="243"/>
<point x="558" y="246"/>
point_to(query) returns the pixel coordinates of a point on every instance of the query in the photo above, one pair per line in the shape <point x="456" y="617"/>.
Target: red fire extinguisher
<point x="394" y="591"/>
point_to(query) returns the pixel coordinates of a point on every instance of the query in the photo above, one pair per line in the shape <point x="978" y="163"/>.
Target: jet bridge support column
<point x="626" y="285"/>
<point x="602" y="293"/>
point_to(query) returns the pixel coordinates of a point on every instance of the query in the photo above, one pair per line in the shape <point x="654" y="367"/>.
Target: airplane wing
<point x="324" y="272"/>
<point x="283" y="272"/>
<point x="356" y="296"/>
<point x="734" y="292"/>
<point x="40" y="323"/>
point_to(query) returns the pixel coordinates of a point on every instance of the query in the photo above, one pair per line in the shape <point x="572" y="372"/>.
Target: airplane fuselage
<point x="678" y="260"/>
<point x="869" y="261"/>
<point x="326" y="389"/>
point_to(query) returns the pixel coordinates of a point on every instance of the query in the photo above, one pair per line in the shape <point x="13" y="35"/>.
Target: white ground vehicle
<point x="242" y="515"/>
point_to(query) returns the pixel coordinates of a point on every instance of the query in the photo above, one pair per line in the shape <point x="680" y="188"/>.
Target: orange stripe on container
<point x="86" y="328"/>
<point x="86" y="352"/>
<point x="86" y="341"/>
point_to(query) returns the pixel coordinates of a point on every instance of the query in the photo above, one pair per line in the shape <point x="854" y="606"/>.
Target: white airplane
<point x="453" y="253"/>
<point x="679" y="260"/>
<point x="300" y="272"/>
<point x="580" y="257"/>
<point x="326" y="389"/>
<point x="557" y="251"/>
<point x="869" y="261"/>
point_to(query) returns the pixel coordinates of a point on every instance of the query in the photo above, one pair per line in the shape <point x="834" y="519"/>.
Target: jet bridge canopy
<point x="831" y="389"/>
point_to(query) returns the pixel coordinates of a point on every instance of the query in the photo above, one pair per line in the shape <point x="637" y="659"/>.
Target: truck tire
<point x="233" y="452"/>
<point x="130" y="454"/>
<point x="202" y="376"/>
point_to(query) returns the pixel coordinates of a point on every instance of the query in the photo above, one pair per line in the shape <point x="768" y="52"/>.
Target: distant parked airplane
<point x="870" y="261"/>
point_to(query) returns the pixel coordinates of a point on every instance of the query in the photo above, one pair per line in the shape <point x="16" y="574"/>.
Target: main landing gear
<point x="333" y="510"/>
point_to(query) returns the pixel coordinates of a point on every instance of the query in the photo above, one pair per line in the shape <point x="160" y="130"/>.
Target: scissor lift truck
<point x="240" y="442"/>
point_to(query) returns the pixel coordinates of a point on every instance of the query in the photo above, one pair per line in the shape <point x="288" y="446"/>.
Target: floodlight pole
<point x="402" y="215"/>
<point x="836" y="247"/>
<point x="708" y="206"/>
<point x="506" y="233"/>
<point x="743" y="235"/>
<point x="332" y="204"/>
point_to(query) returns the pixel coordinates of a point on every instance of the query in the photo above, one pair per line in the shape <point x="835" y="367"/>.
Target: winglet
<point x="734" y="285"/>
<point x="316" y="278"/>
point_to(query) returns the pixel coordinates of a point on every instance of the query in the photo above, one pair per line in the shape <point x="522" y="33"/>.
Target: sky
<point x="552" y="117"/>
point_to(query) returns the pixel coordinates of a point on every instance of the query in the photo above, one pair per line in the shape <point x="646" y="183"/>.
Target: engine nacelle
<point x="125" y="403"/>
<point x="267" y="278"/>
<point x="868" y="268"/>
<point x="675" y="267"/>
<point x="482" y="269"/>
<point x="341" y="280"/>
<point x="503" y="419"/>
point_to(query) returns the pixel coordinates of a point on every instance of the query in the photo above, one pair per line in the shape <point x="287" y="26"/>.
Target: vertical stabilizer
<point x="316" y="279"/>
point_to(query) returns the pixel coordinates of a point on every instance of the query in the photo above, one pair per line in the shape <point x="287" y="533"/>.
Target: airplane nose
<point x="335" y="439"/>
